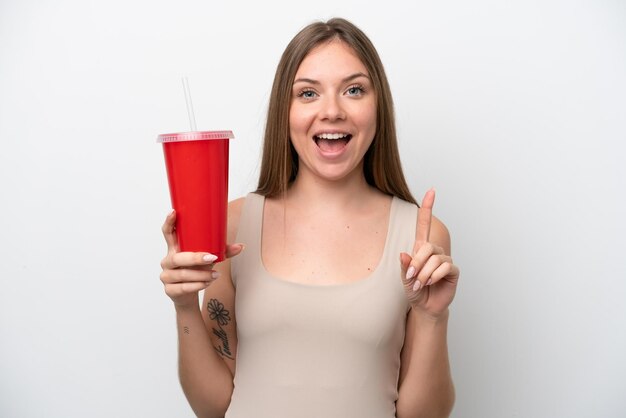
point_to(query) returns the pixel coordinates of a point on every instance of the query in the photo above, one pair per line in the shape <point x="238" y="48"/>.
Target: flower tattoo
<point x="222" y="316"/>
<point x="217" y="312"/>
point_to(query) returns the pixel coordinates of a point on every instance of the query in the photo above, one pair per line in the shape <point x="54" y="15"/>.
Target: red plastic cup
<point x="197" y="173"/>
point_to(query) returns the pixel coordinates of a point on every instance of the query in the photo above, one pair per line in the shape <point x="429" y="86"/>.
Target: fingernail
<point x="215" y="274"/>
<point x="410" y="273"/>
<point x="429" y="282"/>
<point x="209" y="258"/>
<point x="417" y="286"/>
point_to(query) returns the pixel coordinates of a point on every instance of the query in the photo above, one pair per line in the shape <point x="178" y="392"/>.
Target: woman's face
<point x="332" y="118"/>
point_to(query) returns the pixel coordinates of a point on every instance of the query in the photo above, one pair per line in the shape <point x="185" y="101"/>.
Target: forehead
<point x="328" y="58"/>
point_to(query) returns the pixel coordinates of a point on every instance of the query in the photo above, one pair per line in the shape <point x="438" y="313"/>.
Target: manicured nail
<point x="209" y="258"/>
<point x="215" y="274"/>
<point x="429" y="282"/>
<point x="410" y="273"/>
<point x="417" y="286"/>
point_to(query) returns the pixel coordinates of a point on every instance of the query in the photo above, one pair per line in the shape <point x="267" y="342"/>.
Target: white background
<point x="513" y="110"/>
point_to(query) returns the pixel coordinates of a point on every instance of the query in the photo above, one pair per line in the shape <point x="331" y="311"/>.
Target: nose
<point x="332" y="109"/>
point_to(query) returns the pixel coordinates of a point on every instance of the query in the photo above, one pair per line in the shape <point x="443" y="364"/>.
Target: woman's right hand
<point x="186" y="273"/>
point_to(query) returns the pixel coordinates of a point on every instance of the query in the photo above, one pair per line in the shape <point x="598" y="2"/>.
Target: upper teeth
<point x="332" y="136"/>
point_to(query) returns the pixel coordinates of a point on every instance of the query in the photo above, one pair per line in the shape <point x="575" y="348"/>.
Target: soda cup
<point x="197" y="174"/>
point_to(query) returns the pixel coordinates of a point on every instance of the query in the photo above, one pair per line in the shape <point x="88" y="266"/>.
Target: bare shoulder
<point x="236" y="205"/>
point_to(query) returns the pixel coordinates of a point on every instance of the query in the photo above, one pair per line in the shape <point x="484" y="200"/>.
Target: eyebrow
<point x="345" y="80"/>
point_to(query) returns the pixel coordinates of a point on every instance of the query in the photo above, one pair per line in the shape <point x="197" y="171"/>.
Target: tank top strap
<point x="248" y="233"/>
<point x="403" y="222"/>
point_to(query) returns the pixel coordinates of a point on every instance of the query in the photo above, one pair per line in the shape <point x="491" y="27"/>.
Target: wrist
<point x="429" y="319"/>
<point x="188" y="306"/>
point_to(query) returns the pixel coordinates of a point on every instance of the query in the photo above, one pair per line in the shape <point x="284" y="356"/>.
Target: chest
<point x="323" y="249"/>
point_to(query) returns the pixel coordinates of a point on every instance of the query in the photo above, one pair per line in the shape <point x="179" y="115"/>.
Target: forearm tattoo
<point x="221" y="316"/>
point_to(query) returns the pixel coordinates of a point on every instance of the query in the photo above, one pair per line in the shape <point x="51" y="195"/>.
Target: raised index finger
<point x="424" y="217"/>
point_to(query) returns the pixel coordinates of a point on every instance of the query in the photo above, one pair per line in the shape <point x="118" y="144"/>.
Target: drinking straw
<point x="192" y="118"/>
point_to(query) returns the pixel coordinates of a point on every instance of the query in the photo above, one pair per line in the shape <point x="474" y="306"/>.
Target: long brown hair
<point x="279" y="165"/>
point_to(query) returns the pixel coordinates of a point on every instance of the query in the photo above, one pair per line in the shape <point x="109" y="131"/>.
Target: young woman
<point x="338" y="307"/>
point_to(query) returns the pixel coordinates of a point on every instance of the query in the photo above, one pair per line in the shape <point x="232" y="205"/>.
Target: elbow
<point x="207" y="403"/>
<point x="212" y="411"/>
<point x="447" y="405"/>
<point x="444" y="407"/>
<point x="439" y="406"/>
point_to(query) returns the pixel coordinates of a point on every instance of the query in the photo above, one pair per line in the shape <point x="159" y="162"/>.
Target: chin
<point x="335" y="174"/>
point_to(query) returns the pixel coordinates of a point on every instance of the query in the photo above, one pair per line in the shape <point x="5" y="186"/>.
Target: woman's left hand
<point x="429" y="276"/>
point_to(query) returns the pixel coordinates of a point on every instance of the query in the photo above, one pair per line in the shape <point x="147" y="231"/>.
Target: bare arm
<point x="206" y="375"/>
<point x="205" y="378"/>
<point x="425" y="385"/>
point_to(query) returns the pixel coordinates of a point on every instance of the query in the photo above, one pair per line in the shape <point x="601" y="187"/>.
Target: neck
<point x="312" y="190"/>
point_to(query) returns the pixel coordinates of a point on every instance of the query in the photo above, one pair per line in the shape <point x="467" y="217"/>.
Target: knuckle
<point x="164" y="276"/>
<point x="417" y="261"/>
<point x="445" y="269"/>
<point x="168" y="289"/>
<point x="184" y="275"/>
<point x="189" y="288"/>
<point x="173" y="260"/>
<point x="172" y="291"/>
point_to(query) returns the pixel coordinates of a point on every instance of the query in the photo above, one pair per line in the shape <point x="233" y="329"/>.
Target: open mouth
<point x="332" y="142"/>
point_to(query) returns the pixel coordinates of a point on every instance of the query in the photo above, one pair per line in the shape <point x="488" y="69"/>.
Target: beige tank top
<point x="307" y="351"/>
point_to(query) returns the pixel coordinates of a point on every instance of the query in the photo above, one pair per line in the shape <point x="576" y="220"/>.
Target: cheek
<point x="367" y="121"/>
<point x="364" y="115"/>
<point x="297" y="120"/>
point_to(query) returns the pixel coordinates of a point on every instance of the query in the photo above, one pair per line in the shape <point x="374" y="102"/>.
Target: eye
<point x="355" y="90"/>
<point x="307" y="94"/>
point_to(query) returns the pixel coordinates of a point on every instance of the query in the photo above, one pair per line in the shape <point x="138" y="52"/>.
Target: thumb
<point x="169" y="232"/>
<point x="233" y="249"/>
